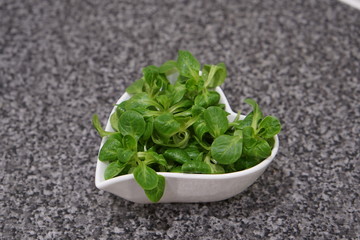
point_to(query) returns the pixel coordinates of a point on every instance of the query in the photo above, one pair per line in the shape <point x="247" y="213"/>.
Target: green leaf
<point x="209" y="98"/>
<point x="197" y="110"/>
<point x="226" y="149"/>
<point x="245" y="163"/>
<point x="110" y="150"/>
<point x="135" y="87"/>
<point x="203" y="144"/>
<point x="177" y="155"/>
<point x="256" y="113"/>
<point x="229" y="168"/>
<point x="139" y="101"/>
<point x="192" y="88"/>
<point x="145" y="176"/>
<point x="169" y="67"/>
<point x="176" y="92"/>
<point x="129" y="142"/>
<point x="166" y="125"/>
<point x="132" y="123"/>
<point x="114" y="121"/>
<point x="238" y="133"/>
<point x="150" y="74"/>
<point x="154" y="81"/>
<point x="196" y="167"/>
<point x="241" y="124"/>
<point x="113" y="150"/>
<point x="164" y="100"/>
<point x="216" y="120"/>
<point x="156" y="193"/>
<point x="200" y="128"/>
<point x="181" y="106"/>
<point x="216" y="168"/>
<point x="120" y="109"/>
<point x="125" y="155"/>
<point x="153" y="157"/>
<point x="180" y="139"/>
<point x="269" y="127"/>
<point x="215" y="75"/>
<point x="131" y="169"/>
<point x="199" y="158"/>
<point x="188" y="65"/>
<point x="148" y="128"/>
<point x="256" y="148"/>
<point x="116" y="136"/>
<point x="192" y="150"/>
<point x="97" y="125"/>
<point x="271" y="142"/>
<point x="113" y="169"/>
<point x="248" y="133"/>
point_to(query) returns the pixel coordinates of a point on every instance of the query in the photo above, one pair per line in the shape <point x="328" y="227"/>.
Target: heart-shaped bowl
<point x="185" y="187"/>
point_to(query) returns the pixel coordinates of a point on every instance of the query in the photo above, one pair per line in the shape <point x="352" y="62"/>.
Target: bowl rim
<point x="262" y="165"/>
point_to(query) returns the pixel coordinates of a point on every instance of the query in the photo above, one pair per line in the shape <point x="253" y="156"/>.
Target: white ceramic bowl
<point x="185" y="187"/>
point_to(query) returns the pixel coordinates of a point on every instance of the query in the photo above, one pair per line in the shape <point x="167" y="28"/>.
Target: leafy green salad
<point x="173" y="122"/>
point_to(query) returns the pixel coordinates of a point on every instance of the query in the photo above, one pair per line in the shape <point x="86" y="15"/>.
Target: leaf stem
<point x="190" y="122"/>
<point x="97" y="125"/>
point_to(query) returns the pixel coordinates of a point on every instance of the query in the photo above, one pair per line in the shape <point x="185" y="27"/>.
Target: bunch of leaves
<point x="174" y="122"/>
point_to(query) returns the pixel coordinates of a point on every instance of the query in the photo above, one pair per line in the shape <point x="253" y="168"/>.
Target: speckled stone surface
<point x="62" y="61"/>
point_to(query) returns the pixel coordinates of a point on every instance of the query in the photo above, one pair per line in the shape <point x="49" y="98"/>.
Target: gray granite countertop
<point x="62" y="61"/>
